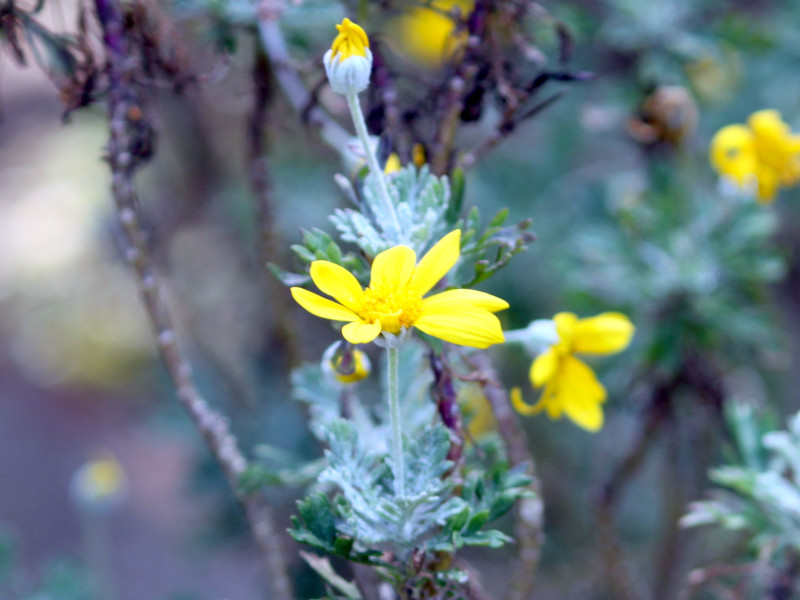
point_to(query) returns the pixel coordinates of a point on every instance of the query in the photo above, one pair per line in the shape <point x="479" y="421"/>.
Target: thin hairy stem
<point x="129" y="148"/>
<point x="372" y="161"/>
<point x="393" y="381"/>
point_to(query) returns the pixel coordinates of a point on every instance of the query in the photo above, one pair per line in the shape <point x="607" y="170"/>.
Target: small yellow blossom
<point x="392" y="164"/>
<point x="99" y="483"/>
<point x="394" y="301"/>
<point x="570" y="385"/>
<point x="428" y="35"/>
<point x="764" y="154"/>
<point x="348" y="63"/>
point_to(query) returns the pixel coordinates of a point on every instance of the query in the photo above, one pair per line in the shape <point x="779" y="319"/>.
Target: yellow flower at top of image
<point x="429" y="36"/>
<point x="570" y="385"/>
<point x="763" y="155"/>
<point x="394" y="300"/>
<point x="348" y="62"/>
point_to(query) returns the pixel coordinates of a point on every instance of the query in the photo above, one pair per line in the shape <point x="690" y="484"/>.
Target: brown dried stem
<point x="295" y="91"/>
<point x="528" y="527"/>
<point x="129" y="148"/>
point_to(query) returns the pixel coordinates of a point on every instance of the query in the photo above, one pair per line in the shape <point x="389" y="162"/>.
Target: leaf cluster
<point x="760" y="483"/>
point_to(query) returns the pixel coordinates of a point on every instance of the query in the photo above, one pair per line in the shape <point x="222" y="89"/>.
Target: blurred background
<point x="614" y="173"/>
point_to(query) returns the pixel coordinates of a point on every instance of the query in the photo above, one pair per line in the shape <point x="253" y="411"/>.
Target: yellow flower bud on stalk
<point x="348" y="63"/>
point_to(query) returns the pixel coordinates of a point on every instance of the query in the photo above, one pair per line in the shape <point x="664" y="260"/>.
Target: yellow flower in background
<point x="394" y="301"/>
<point x="763" y="155"/>
<point x="392" y="164"/>
<point x="99" y="484"/>
<point x="570" y="385"/>
<point x="429" y="35"/>
<point x="348" y="63"/>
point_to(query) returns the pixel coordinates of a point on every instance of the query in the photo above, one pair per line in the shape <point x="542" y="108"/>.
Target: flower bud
<point x="348" y="63"/>
<point x="345" y="363"/>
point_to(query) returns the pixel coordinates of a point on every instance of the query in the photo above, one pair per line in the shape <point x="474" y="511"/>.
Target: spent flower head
<point x="763" y="155"/>
<point x="345" y="364"/>
<point x="348" y="63"/>
<point x="394" y="303"/>
<point x="570" y="385"/>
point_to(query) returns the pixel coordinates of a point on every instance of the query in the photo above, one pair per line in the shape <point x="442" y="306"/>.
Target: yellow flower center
<point x="396" y="307"/>
<point x="351" y="41"/>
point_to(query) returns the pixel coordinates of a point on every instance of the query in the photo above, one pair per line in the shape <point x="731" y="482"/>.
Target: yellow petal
<point x="393" y="267"/>
<point x="436" y="262"/>
<point x="565" y="326"/>
<point x="471" y="297"/>
<point x="338" y="282"/>
<point x="461" y="324"/>
<point x="580" y="394"/>
<point x="360" y="332"/>
<point x="544" y="368"/>
<point x="522" y="407"/>
<point x="322" y="307"/>
<point x="604" y="334"/>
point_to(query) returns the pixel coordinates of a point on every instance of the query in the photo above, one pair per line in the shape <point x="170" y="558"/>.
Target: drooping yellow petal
<point x="461" y="324"/>
<point x="392" y="268"/>
<point x="522" y="407"/>
<point x="580" y="393"/>
<point x="604" y="334"/>
<point x="565" y="326"/>
<point x="360" y="332"/>
<point x="472" y="297"/>
<point x="322" y="307"/>
<point x="436" y="262"/>
<point x="544" y="368"/>
<point x="337" y="282"/>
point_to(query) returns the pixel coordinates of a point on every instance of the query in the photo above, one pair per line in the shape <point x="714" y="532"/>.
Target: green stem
<point x="394" y="418"/>
<point x="372" y="161"/>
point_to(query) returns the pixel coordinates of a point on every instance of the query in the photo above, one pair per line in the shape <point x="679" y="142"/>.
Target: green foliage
<point x="483" y="254"/>
<point x="59" y="580"/>
<point x="318" y="245"/>
<point x="421" y="201"/>
<point x="761" y="481"/>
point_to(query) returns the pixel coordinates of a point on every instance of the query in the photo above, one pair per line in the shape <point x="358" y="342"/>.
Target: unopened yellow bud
<point x="348" y="63"/>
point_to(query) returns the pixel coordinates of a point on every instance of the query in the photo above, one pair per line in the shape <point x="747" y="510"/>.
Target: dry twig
<point x="129" y="147"/>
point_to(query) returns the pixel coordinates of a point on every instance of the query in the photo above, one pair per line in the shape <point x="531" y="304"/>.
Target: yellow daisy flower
<point x="394" y="301"/>
<point x="570" y="385"/>
<point x="764" y="154"/>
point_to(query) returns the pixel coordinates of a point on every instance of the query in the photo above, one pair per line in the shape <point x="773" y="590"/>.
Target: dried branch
<point x="130" y="146"/>
<point x="269" y="11"/>
<point x="528" y="527"/>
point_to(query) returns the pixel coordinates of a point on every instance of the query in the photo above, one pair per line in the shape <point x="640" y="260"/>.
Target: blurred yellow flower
<point x="762" y="155"/>
<point x="394" y="301"/>
<point x="570" y="385"/>
<point x="99" y="484"/>
<point x="392" y="164"/>
<point x="429" y="35"/>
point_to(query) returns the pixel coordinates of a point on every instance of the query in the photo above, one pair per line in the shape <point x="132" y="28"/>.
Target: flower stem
<point x="398" y="463"/>
<point x="372" y="161"/>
